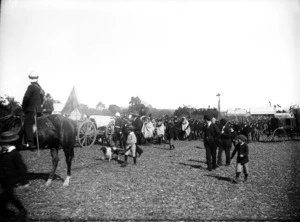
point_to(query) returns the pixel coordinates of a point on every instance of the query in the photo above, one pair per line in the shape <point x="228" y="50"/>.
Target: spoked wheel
<point x="87" y="134"/>
<point x="264" y="136"/>
<point x="279" y="135"/>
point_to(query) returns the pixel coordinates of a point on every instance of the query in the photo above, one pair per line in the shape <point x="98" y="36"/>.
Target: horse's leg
<point x="69" y="154"/>
<point x="55" y="159"/>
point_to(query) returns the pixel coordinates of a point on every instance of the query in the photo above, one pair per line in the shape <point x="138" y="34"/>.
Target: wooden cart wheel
<point x="263" y="136"/>
<point x="279" y="135"/>
<point x="87" y="134"/>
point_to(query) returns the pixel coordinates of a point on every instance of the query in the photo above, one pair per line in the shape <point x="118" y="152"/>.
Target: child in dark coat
<point x="12" y="171"/>
<point x="242" y="150"/>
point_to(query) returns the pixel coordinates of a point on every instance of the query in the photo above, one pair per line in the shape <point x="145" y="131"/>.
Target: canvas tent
<point x="238" y="112"/>
<point x="76" y="115"/>
<point x="71" y="108"/>
<point x="262" y="111"/>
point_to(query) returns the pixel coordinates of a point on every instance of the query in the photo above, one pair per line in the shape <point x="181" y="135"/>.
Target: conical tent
<point x="71" y="104"/>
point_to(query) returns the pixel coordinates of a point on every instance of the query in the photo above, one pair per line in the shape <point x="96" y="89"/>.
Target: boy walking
<point x="12" y="171"/>
<point x="242" y="150"/>
<point x="130" y="146"/>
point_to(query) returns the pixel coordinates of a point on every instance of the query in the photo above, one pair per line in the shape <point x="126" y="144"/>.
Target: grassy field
<point x="166" y="185"/>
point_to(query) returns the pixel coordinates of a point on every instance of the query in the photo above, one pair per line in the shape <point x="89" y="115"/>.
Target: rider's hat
<point x="33" y="76"/>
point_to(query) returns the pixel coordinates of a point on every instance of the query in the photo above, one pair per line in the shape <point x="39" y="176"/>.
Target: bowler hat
<point x="130" y="127"/>
<point x="241" y="137"/>
<point x="223" y="121"/>
<point x="8" y="136"/>
<point x="208" y="117"/>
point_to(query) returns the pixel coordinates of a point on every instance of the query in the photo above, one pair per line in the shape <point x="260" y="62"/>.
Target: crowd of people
<point x="129" y="133"/>
<point x="218" y="136"/>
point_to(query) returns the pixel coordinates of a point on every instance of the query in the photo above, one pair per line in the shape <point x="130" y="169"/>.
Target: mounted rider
<point x="32" y="107"/>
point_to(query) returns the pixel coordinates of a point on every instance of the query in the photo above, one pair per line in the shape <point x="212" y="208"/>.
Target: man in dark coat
<point x="48" y="105"/>
<point x="225" y="143"/>
<point x="137" y="123"/>
<point x="32" y="107"/>
<point x="118" y="134"/>
<point x="210" y="140"/>
<point x="12" y="171"/>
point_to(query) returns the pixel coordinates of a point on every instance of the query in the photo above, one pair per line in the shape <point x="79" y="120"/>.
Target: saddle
<point x="43" y="123"/>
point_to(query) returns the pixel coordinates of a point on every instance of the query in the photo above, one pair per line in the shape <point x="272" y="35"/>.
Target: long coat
<point x="211" y="134"/>
<point x="12" y="168"/>
<point x="226" y="137"/>
<point x="137" y="124"/>
<point x="241" y="149"/>
<point x="33" y="98"/>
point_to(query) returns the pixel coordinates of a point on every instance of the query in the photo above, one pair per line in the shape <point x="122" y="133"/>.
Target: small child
<point x="242" y="160"/>
<point x="130" y="146"/>
<point x="12" y="171"/>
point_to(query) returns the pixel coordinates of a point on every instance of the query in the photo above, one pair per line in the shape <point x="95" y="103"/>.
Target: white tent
<point x="262" y="111"/>
<point x="76" y="115"/>
<point x="238" y="112"/>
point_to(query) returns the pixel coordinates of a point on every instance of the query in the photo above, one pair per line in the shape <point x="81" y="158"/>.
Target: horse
<point x="53" y="132"/>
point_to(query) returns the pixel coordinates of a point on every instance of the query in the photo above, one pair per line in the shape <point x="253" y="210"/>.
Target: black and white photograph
<point x="149" y="110"/>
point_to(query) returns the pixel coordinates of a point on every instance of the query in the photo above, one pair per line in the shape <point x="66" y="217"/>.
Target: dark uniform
<point x="211" y="136"/>
<point x="118" y="134"/>
<point x="225" y="143"/>
<point x="138" y="124"/>
<point x="48" y="105"/>
<point x="32" y="105"/>
<point x="12" y="171"/>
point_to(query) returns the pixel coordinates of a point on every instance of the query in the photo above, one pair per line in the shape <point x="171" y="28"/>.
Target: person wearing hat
<point x="210" y="140"/>
<point x="130" y="146"/>
<point x="225" y="143"/>
<point x="242" y="160"/>
<point x="32" y="107"/>
<point x="12" y="171"/>
<point x="137" y="123"/>
<point x="118" y="135"/>
<point x="48" y="105"/>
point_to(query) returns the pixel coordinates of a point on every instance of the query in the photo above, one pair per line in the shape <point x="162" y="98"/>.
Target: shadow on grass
<point x="193" y="166"/>
<point x="42" y="176"/>
<point x="199" y="147"/>
<point x="227" y="179"/>
<point x="162" y="147"/>
<point x="199" y="161"/>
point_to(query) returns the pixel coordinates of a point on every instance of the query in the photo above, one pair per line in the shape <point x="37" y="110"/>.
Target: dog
<point x="109" y="152"/>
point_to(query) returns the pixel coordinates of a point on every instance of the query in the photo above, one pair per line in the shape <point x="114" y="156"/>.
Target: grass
<point x="166" y="185"/>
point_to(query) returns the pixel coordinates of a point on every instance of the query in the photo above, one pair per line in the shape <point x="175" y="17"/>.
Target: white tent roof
<point x="236" y="112"/>
<point x="262" y="111"/>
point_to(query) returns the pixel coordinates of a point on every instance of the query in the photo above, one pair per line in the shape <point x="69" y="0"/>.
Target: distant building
<point x="262" y="111"/>
<point x="237" y="112"/>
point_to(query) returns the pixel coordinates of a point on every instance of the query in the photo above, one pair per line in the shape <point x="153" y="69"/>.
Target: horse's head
<point x="11" y="123"/>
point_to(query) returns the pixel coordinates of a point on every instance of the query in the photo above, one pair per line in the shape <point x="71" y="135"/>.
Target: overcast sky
<point x="170" y="53"/>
